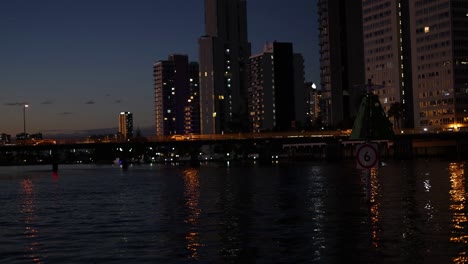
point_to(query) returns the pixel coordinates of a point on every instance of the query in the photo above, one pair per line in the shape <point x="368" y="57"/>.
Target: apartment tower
<point x="439" y="45"/>
<point x="126" y="125"/>
<point x="223" y="54"/>
<point x="176" y="96"/>
<point x="387" y="55"/>
<point x="277" y="99"/>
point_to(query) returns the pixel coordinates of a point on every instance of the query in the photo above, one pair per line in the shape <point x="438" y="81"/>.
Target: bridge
<point x="261" y="146"/>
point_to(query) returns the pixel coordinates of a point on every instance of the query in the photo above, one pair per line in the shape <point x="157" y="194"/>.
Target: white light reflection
<point x="316" y="208"/>
<point x="428" y="207"/>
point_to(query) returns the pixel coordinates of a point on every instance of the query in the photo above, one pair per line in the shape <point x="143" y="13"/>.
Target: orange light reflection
<point x="375" y="207"/>
<point x="192" y="196"/>
<point x="457" y="206"/>
<point x="28" y="208"/>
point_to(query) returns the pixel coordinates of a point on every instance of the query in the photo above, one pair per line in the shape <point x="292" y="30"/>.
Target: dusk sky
<point x="79" y="63"/>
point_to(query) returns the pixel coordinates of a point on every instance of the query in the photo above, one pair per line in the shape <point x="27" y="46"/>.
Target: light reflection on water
<point x="192" y="196"/>
<point x="28" y="210"/>
<point x="241" y="213"/>
<point x="457" y="206"/>
<point x="375" y="206"/>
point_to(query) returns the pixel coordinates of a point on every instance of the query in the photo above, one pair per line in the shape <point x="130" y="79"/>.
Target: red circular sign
<point x="367" y="156"/>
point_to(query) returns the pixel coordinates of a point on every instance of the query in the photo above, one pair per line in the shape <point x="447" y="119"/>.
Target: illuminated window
<point x="427" y="29"/>
<point x="221" y="97"/>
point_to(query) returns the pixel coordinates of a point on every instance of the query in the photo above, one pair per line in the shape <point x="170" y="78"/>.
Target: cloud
<point x="48" y="102"/>
<point x="90" y="102"/>
<point x="15" y="103"/>
<point x="65" y="113"/>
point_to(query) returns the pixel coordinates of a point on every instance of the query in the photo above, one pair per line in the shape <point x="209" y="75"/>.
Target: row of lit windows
<point x="436" y="112"/>
<point x="432" y="103"/>
<point x="443" y="121"/>
<point x="431" y="28"/>
<point x="437" y="93"/>
<point x="435" y="84"/>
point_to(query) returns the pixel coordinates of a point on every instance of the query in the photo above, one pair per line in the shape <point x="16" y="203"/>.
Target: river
<point x="307" y="212"/>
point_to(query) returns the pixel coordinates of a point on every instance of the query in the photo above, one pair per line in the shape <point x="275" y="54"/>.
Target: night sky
<point x="79" y="63"/>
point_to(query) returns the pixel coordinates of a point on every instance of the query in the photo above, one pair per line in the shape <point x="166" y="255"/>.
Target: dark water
<point x="283" y="213"/>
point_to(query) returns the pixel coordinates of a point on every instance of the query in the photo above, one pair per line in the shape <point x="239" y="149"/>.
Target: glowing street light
<point x="24" y="117"/>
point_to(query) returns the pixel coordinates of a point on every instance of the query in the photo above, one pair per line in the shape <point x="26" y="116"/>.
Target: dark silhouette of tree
<point x="396" y="111"/>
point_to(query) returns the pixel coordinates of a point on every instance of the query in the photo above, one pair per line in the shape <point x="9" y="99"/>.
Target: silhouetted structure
<point x="176" y="89"/>
<point x="276" y="94"/>
<point x="224" y="51"/>
<point x="371" y="121"/>
<point x="341" y="59"/>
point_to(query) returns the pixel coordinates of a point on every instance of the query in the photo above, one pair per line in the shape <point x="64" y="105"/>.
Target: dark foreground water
<point x="245" y="213"/>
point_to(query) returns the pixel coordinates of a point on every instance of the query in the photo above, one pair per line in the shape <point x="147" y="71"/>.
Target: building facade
<point x="223" y="55"/>
<point x="341" y="60"/>
<point x="386" y="54"/>
<point x="125" y="125"/>
<point x="176" y="96"/>
<point x="439" y="46"/>
<point x="276" y="94"/>
<point x="313" y="96"/>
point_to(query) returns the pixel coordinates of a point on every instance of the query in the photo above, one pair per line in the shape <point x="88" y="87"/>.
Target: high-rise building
<point x="276" y="94"/>
<point x="386" y="54"/>
<point x="176" y="96"/>
<point x="5" y="139"/>
<point x="439" y="46"/>
<point x="224" y="51"/>
<point x="313" y="98"/>
<point x="126" y="125"/>
<point x="341" y="60"/>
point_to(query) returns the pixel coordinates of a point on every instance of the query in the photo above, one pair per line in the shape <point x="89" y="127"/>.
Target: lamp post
<point x="24" y="117"/>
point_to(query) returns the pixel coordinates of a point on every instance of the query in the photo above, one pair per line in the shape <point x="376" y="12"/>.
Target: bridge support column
<point x="55" y="159"/>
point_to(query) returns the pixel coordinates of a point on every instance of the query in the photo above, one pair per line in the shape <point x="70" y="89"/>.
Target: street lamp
<point x="24" y="117"/>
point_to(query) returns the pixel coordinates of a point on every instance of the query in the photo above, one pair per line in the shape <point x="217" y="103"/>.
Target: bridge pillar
<point x="54" y="155"/>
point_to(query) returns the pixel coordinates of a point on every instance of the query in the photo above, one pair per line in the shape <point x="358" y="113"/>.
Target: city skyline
<point x="77" y="64"/>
